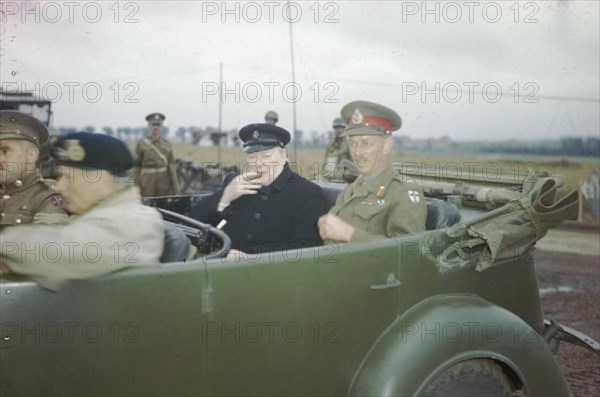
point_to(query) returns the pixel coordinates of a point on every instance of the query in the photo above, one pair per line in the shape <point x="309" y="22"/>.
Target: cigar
<point x="258" y="175"/>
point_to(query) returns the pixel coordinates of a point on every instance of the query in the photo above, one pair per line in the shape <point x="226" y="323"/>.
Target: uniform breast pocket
<point x="20" y="217"/>
<point x="370" y="217"/>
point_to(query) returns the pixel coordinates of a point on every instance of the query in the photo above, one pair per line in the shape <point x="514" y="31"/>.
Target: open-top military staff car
<point x="451" y="311"/>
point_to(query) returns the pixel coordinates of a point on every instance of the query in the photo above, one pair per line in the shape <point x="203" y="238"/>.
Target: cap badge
<point x="255" y="135"/>
<point x="73" y="150"/>
<point x="357" y="117"/>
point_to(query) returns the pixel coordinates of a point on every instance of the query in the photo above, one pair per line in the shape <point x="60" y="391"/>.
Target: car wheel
<point x="471" y="378"/>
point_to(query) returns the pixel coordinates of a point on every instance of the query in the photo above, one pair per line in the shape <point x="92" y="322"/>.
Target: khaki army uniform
<point x="30" y="200"/>
<point x="156" y="171"/>
<point x="384" y="206"/>
<point x="336" y="151"/>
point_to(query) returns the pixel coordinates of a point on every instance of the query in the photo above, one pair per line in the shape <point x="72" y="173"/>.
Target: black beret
<point x="259" y="137"/>
<point x="155" y="118"/>
<point x="93" y="151"/>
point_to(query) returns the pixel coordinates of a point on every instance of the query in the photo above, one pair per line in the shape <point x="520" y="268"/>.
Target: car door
<point x="133" y="333"/>
<point x="298" y="322"/>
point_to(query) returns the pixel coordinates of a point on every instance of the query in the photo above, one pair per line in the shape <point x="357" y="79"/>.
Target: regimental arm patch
<point x="414" y="196"/>
<point x="56" y="200"/>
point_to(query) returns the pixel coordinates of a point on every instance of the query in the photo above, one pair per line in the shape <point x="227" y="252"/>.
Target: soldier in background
<point x="379" y="203"/>
<point x="271" y="117"/>
<point x="156" y="171"/>
<point x="336" y="151"/>
<point x="25" y="197"/>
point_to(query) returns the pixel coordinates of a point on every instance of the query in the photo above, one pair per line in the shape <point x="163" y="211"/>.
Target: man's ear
<point x="33" y="153"/>
<point x="388" y="144"/>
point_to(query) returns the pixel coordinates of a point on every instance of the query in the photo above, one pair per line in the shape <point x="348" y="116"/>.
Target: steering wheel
<point x="201" y="231"/>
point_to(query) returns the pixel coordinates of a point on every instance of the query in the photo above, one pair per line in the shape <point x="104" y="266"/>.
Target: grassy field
<point x="573" y="171"/>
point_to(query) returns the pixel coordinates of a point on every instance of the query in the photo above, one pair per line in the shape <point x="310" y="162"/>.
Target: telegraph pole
<point x="293" y="82"/>
<point x="220" y="110"/>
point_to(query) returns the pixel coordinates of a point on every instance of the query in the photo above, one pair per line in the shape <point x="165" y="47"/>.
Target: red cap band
<point x="376" y="121"/>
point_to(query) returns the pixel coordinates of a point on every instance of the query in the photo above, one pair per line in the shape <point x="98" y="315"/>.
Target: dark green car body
<point x="375" y="319"/>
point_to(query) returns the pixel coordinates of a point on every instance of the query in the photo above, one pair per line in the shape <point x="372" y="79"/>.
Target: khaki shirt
<point x="155" y="154"/>
<point x="336" y="151"/>
<point x="385" y="206"/>
<point x="29" y="200"/>
<point x="156" y="157"/>
<point x="117" y="233"/>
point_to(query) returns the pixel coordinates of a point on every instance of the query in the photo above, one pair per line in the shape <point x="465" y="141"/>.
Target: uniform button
<point x="2" y="215"/>
<point x="257" y="216"/>
<point x="17" y="221"/>
<point x="6" y="197"/>
<point x="249" y="236"/>
<point x="265" y="197"/>
<point x="18" y="183"/>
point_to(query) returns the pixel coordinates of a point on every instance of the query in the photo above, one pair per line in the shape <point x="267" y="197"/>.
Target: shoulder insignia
<point x="414" y="196"/>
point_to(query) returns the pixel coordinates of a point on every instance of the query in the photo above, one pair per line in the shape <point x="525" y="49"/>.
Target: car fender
<point x="446" y="329"/>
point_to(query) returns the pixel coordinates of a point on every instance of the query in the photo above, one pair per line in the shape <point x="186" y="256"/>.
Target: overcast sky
<point x="164" y="56"/>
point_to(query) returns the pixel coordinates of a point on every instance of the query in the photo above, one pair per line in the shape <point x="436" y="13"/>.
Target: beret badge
<point x="71" y="151"/>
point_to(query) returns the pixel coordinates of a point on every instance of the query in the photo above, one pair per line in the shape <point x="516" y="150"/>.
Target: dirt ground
<point x="568" y="268"/>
